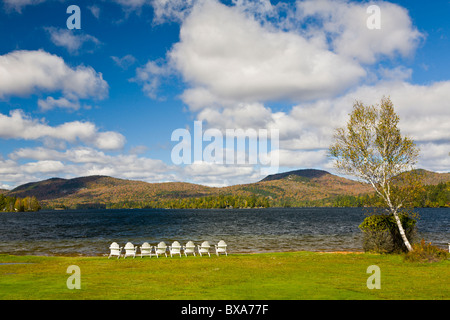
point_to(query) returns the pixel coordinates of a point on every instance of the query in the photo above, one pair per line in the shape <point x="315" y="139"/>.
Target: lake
<point x="90" y="232"/>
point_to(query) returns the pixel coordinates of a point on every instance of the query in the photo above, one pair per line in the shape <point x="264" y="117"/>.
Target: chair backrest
<point x="146" y="246"/>
<point x="162" y="245"/>
<point x="161" y="248"/>
<point x="222" y="244"/>
<point x="129" y="246"/>
<point x="114" y="246"/>
<point x="190" y="245"/>
<point x="205" y="244"/>
<point x="176" y="245"/>
<point x="115" y="249"/>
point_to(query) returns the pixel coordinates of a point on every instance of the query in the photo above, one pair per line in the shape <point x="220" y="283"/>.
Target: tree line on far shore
<point x="16" y="204"/>
<point x="430" y="196"/>
<point x="207" y="202"/>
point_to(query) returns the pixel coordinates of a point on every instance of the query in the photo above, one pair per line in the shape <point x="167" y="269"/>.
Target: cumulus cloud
<point x="46" y="166"/>
<point x="72" y="40"/>
<point x="81" y="161"/>
<point x="51" y="103"/>
<point x="149" y="76"/>
<point x="171" y="10"/>
<point x="74" y="155"/>
<point x="345" y="23"/>
<point x="424" y="113"/>
<point x="306" y="130"/>
<point x="125" y="62"/>
<point x="254" y="51"/>
<point x="238" y="62"/>
<point x="20" y="126"/>
<point x="25" y="72"/>
<point x="224" y="175"/>
<point x="233" y="56"/>
<point x="95" y="10"/>
<point x="18" y="5"/>
<point x="319" y="55"/>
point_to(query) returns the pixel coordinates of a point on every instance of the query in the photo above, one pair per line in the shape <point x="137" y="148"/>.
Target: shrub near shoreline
<point x="381" y="234"/>
<point x="426" y="252"/>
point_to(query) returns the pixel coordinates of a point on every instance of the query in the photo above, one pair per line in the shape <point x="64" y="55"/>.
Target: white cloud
<point x="224" y="175"/>
<point x="7" y="167"/>
<point x="345" y="23"/>
<point x="138" y="149"/>
<point x="435" y="156"/>
<point x="424" y="112"/>
<point x="45" y="166"/>
<point x="149" y="76"/>
<point x="306" y="131"/>
<point x="75" y="155"/>
<point x="51" y="103"/>
<point x="73" y="40"/>
<point x="95" y="10"/>
<point x="133" y="6"/>
<point x="20" y="126"/>
<point x="231" y="55"/>
<point x="81" y="161"/>
<point x="254" y="51"/>
<point x="26" y="72"/>
<point x="236" y="61"/>
<point x="171" y="10"/>
<point x="125" y="62"/>
<point x="109" y="140"/>
<point x="303" y="159"/>
<point x="19" y="4"/>
<point x="242" y="116"/>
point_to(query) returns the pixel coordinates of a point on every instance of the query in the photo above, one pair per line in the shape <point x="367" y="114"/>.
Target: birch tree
<point x="372" y="149"/>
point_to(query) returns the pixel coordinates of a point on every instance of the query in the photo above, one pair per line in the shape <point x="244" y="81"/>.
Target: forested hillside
<point x="290" y="189"/>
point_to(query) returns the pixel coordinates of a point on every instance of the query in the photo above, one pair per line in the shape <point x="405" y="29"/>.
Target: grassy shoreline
<point x="273" y="276"/>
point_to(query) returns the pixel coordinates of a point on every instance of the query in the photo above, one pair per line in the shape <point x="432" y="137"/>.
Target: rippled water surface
<point x="245" y="231"/>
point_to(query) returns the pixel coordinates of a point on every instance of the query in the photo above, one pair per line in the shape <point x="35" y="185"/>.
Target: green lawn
<point x="285" y="276"/>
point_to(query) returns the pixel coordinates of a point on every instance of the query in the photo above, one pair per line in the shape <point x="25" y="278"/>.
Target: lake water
<point x="245" y="231"/>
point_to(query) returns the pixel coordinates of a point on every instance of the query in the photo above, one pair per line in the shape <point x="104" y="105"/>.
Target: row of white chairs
<point x="161" y="249"/>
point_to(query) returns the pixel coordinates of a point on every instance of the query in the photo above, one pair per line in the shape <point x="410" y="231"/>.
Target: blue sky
<point x="105" y="99"/>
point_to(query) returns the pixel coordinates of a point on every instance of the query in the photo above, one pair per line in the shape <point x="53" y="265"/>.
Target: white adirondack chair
<point x="175" y="248"/>
<point x="161" y="249"/>
<point x="146" y="250"/>
<point x="204" y="248"/>
<point x="221" y="247"/>
<point x="115" y="249"/>
<point x="130" y="250"/>
<point x="189" y="248"/>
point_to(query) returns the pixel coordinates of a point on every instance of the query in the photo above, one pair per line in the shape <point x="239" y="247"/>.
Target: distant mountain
<point x="293" y="188"/>
<point x="432" y="178"/>
<point x="104" y="190"/>
<point x="306" y="173"/>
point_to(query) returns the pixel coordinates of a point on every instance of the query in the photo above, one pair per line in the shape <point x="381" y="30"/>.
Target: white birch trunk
<point x="402" y="232"/>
